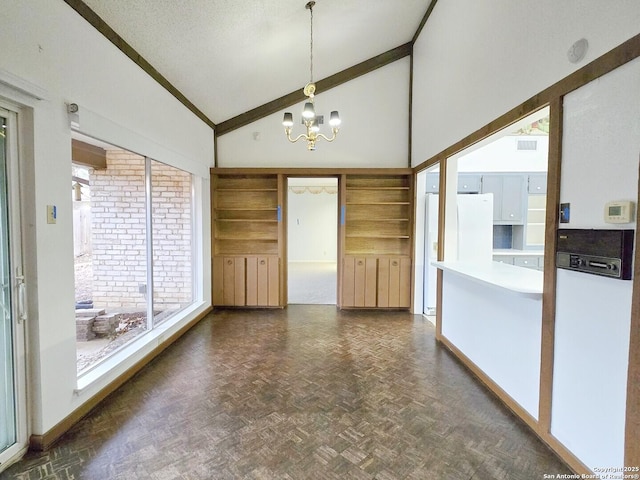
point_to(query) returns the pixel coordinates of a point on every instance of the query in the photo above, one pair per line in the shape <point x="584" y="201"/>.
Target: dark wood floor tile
<point x="308" y="392"/>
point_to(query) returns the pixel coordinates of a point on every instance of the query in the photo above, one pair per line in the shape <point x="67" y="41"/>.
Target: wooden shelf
<point x="378" y="215"/>
<point x="251" y="209"/>
<point x="244" y="220"/>
<point x="246" y="189"/>
<point x="378" y="203"/>
<point x="245" y="214"/>
<point x="376" y="236"/>
<point x="378" y="188"/>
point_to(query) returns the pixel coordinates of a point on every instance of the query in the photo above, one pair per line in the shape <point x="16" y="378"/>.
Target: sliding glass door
<point x="7" y="401"/>
<point x="12" y="408"/>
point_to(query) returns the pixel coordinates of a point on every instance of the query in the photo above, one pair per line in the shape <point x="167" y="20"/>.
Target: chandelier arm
<point x="320" y="135"/>
<point x="294" y="140"/>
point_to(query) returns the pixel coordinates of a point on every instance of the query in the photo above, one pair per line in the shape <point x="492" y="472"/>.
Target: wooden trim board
<point x="632" y="421"/>
<point x="311" y="172"/>
<point x="549" y="282"/>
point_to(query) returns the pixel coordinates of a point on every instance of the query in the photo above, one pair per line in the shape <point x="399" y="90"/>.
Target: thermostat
<point x="619" y="211"/>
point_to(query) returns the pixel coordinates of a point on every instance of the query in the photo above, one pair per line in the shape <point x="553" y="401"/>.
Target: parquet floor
<point x="309" y="392"/>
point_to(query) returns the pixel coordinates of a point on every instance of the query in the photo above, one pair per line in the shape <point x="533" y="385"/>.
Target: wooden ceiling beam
<point x="424" y="21"/>
<point x="88" y="155"/>
<point x="322" y="86"/>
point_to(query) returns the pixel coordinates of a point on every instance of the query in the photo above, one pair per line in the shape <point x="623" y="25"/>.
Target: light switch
<point x="52" y="213"/>
<point x="565" y="212"/>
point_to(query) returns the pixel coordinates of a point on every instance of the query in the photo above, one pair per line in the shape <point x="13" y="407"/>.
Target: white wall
<point x="312" y="222"/>
<point x="502" y="155"/>
<point x="499" y="331"/>
<point x="474" y="61"/>
<point x="600" y="151"/>
<point x="374" y="110"/>
<point x="48" y="44"/>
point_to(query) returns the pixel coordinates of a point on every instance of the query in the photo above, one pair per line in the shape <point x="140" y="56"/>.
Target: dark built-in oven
<point x="600" y="252"/>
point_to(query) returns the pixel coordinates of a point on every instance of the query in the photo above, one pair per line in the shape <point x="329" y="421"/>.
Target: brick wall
<point x="119" y="238"/>
<point x="172" y="236"/>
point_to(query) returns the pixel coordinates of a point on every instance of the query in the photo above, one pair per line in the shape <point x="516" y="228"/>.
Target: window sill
<point x="118" y="363"/>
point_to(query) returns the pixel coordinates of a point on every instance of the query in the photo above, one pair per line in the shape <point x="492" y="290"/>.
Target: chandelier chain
<point x="311" y="46"/>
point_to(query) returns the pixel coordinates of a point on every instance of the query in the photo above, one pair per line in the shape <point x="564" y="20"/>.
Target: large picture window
<point x="133" y="248"/>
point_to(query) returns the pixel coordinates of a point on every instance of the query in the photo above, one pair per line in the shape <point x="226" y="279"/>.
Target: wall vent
<point x="527" y="145"/>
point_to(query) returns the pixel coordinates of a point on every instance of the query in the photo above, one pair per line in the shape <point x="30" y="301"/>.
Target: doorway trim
<point x="285" y="219"/>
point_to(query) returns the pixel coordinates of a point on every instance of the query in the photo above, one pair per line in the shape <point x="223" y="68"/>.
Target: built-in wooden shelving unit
<point x="246" y="240"/>
<point x="377" y="219"/>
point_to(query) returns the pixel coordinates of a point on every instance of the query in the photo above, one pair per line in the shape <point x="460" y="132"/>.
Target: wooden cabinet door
<point x="229" y="281"/>
<point x="217" y="281"/>
<point x="370" y="281"/>
<point x="513" y="190"/>
<point x="252" y="281"/>
<point x="508" y="197"/>
<point x="359" y="281"/>
<point x="273" y="281"/>
<point x="493" y="184"/>
<point x="384" y="265"/>
<point x="348" y="282"/>
<point x="365" y="281"/>
<point x="263" y="280"/>
<point x="394" y="282"/>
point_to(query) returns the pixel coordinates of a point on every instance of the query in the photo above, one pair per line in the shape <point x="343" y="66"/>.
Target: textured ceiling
<point x="230" y="56"/>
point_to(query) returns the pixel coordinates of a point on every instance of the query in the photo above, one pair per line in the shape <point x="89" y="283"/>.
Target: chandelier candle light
<point x="311" y="121"/>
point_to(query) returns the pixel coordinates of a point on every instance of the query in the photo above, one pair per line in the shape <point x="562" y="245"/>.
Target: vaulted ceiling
<point x="224" y="58"/>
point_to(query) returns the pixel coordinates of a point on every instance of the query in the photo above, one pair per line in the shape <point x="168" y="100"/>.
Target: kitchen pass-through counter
<point x="491" y="316"/>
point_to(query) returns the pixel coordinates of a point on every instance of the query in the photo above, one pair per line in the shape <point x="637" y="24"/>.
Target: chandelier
<point x="311" y="121"/>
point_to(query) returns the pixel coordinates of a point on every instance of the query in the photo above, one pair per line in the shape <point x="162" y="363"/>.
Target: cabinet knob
<point x="229" y="262"/>
<point x="360" y="262"/>
<point x="262" y="262"/>
<point x="394" y="263"/>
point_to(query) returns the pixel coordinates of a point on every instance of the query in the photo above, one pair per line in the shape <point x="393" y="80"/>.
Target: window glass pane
<point x="110" y="252"/>
<point x="171" y="217"/>
<point x="7" y="404"/>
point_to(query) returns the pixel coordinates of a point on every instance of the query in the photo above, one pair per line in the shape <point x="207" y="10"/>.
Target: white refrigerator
<point x="473" y="242"/>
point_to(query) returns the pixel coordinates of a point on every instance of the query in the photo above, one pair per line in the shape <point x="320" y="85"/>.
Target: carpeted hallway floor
<point x="308" y="392"/>
<point x="312" y="283"/>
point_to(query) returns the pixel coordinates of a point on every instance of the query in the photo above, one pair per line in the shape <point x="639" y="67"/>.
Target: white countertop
<point x="522" y="281"/>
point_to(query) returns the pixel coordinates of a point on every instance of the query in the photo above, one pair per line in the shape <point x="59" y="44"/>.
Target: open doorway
<point x="312" y="240"/>
<point x="496" y="199"/>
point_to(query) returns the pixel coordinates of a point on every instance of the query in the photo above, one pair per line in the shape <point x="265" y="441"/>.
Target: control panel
<point x="600" y="252"/>
<point x="620" y="211"/>
<point x="590" y="264"/>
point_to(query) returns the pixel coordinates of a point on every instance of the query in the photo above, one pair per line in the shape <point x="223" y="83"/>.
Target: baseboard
<point x="45" y="441"/>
